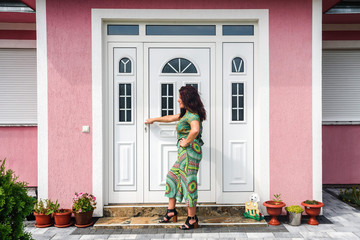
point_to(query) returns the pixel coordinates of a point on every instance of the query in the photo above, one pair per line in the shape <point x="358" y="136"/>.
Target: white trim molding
<point x="42" y="96"/>
<point x="346" y="44"/>
<point x="99" y="18"/>
<point x="12" y="43"/>
<point x="317" y="98"/>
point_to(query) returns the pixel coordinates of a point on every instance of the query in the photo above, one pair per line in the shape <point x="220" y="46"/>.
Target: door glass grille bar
<point x="167" y="99"/>
<point x="125" y="102"/>
<point x="237" y="101"/>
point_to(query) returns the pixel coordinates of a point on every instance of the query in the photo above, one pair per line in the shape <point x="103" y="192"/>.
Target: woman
<point x="181" y="181"/>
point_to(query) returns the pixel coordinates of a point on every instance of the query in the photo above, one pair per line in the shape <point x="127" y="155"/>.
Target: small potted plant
<point x="42" y="213"/>
<point x="62" y="216"/>
<point x="312" y="208"/>
<point x="83" y="208"/>
<point x="274" y="209"/>
<point x="294" y="214"/>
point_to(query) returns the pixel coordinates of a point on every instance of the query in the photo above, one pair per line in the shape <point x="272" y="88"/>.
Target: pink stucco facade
<point x="19" y="147"/>
<point x="70" y="91"/>
<point x="341" y="154"/>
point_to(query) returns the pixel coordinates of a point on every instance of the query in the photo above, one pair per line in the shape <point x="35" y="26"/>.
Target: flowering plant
<point x="83" y="202"/>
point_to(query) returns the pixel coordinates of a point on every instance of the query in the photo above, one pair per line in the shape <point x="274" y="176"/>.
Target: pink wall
<point x="341" y="154"/>
<point x="69" y="91"/>
<point x="19" y="146"/>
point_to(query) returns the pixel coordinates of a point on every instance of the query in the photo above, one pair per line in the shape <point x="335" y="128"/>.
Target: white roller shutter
<point x="341" y="85"/>
<point x="18" y="86"/>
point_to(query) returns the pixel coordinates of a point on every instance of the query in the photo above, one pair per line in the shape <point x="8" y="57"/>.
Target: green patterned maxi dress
<point x="181" y="181"/>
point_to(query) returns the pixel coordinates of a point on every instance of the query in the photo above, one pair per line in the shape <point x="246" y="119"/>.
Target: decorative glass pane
<point x="167" y="99"/>
<point x="241" y="102"/>
<point x="122" y="89"/>
<point x="163" y="89"/>
<point x="237" y="101"/>
<point x="179" y="65"/>
<point x="238" y="30"/>
<point x="124" y="102"/>
<point x="125" y="65"/>
<point x="163" y="103"/>
<point x="122" y="116"/>
<point x="123" y="29"/>
<point x="128" y="115"/>
<point x="195" y="85"/>
<point x="180" y="30"/>
<point x="234" y="115"/>
<point x="237" y="65"/>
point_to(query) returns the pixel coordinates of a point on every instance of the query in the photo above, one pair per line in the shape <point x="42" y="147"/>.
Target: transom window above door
<point x="178" y="66"/>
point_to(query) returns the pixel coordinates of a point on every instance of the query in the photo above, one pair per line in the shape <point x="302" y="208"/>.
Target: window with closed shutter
<point x="18" y="83"/>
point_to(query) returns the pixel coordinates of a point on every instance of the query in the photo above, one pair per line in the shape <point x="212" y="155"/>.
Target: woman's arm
<point x="194" y="131"/>
<point x="168" y="118"/>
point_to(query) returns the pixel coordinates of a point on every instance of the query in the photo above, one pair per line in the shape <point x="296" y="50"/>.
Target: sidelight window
<point x="167" y="99"/>
<point x="125" y="110"/>
<point x="237" y="102"/>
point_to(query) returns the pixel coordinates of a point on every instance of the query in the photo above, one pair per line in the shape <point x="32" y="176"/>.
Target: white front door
<point x="144" y="79"/>
<point x="169" y="70"/>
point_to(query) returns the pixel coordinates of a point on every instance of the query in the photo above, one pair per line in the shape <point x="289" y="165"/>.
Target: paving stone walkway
<point x="340" y="221"/>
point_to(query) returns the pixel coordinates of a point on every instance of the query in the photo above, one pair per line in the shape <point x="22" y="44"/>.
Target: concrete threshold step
<point x="155" y="210"/>
<point x="153" y="222"/>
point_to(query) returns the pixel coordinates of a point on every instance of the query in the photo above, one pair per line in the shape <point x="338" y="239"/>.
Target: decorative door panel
<point x="238" y="172"/>
<point x="169" y="70"/>
<point x="123" y="166"/>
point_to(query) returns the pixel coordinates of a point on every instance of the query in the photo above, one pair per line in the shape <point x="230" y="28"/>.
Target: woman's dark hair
<point x="192" y="102"/>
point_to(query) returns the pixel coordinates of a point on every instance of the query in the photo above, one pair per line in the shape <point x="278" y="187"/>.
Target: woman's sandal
<point x="169" y="217"/>
<point x="190" y="226"/>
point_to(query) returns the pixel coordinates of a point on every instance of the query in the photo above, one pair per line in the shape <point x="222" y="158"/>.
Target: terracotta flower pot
<point x="42" y="220"/>
<point x="313" y="211"/>
<point x="62" y="219"/>
<point x="84" y="218"/>
<point x="274" y="210"/>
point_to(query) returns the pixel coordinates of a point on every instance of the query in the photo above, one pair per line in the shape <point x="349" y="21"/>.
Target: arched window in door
<point x="178" y="66"/>
<point x="125" y="65"/>
<point x="237" y="65"/>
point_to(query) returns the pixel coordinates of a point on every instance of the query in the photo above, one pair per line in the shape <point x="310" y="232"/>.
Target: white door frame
<point x="100" y="17"/>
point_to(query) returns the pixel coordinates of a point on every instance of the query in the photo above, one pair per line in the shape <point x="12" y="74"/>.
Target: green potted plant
<point x="83" y="208"/>
<point x="62" y="216"/>
<point x="312" y="208"/>
<point x="294" y="214"/>
<point x="274" y="208"/>
<point x="42" y="213"/>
